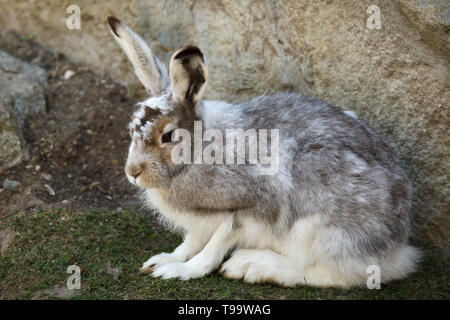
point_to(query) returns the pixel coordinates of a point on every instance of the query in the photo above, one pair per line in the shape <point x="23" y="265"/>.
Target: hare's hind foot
<point x="266" y="266"/>
<point x="258" y="266"/>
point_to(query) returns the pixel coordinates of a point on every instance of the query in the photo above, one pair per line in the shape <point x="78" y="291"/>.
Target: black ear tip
<point x="189" y="50"/>
<point x="113" y="23"/>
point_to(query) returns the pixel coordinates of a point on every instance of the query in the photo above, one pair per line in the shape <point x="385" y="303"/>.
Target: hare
<point x="338" y="203"/>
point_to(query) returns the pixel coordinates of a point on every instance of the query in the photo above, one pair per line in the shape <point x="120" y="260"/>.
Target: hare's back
<point x="315" y="124"/>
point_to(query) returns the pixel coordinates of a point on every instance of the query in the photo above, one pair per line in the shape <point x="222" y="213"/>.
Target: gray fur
<point x="339" y="169"/>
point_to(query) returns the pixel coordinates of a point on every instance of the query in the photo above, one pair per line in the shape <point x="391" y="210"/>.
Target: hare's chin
<point x="138" y="182"/>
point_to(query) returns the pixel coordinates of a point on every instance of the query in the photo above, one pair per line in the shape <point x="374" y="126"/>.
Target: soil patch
<point x="78" y="146"/>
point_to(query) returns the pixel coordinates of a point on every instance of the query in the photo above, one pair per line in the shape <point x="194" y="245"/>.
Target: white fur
<point x="213" y="111"/>
<point x="160" y="102"/>
<point x="139" y="114"/>
<point x="136" y="122"/>
<point x="208" y="259"/>
<point x="206" y="235"/>
<point x="302" y="256"/>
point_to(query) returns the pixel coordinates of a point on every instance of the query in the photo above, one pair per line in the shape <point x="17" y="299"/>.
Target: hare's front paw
<point x="158" y="260"/>
<point x="182" y="271"/>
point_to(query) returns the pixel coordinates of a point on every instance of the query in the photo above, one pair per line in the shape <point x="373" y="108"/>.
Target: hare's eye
<point x="167" y="137"/>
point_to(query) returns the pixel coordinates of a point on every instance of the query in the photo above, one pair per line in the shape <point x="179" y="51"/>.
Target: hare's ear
<point x="150" y="71"/>
<point x="188" y="74"/>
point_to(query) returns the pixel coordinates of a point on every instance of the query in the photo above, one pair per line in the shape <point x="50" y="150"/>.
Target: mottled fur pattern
<point x="339" y="202"/>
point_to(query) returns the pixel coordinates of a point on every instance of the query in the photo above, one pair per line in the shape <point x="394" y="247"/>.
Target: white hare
<point x="339" y="202"/>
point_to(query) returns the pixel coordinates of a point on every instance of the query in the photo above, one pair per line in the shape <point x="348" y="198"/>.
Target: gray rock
<point x="57" y="291"/>
<point x="6" y="238"/>
<point x="12" y="145"/>
<point x="21" y="94"/>
<point x="10" y="184"/>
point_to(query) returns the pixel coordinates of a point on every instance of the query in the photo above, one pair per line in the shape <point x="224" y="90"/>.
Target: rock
<point x="21" y="94"/>
<point x="46" y="176"/>
<point x="57" y="291"/>
<point x="50" y="190"/>
<point x="12" y="145"/>
<point x="68" y="74"/>
<point x="10" y="184"/>
<point x="23" y="83"/>
<point x="395" y="78"/>
<point x="114" y="271"/>
<point x="25" y="201"/>
<point x="6" y="238"/>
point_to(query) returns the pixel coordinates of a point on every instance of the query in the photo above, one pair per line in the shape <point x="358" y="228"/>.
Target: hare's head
<point x="174" y="96"/>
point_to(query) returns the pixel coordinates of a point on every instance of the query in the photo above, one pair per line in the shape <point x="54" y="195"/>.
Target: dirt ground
<point x="78" y="147"/>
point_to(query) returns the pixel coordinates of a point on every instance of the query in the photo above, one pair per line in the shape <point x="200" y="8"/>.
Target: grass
<point x="109" y="247"/>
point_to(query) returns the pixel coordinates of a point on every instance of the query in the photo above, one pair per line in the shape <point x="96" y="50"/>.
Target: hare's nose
<point x="136" y="174"/>
<point x="134" y="171"/>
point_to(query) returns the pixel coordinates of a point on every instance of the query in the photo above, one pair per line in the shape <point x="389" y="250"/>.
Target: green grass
<point x="45" y="244"/>
<point x="26" y="37"/>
